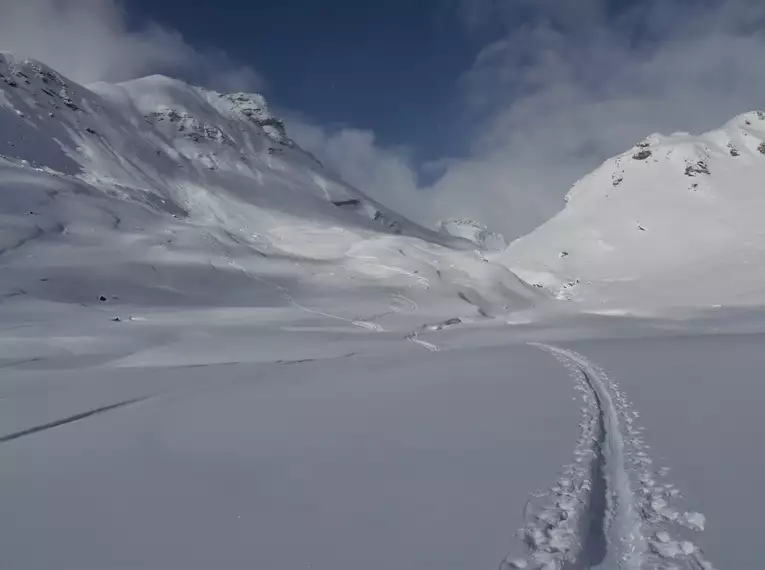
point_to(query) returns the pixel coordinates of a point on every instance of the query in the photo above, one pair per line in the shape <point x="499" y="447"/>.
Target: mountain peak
<point x="652" y="222"/>
<point x="160" y="134"/>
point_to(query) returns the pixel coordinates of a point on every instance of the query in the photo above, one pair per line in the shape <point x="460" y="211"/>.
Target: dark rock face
<point x="351" y="202"/>
<point x="193" y="129"/>
<point x="642" y="155"/>
<point x="699" y="168"/>
<point x="254" y="109"/>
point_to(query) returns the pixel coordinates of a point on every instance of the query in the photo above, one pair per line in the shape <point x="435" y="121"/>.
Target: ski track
<point x="68" y="420"/>
<point x="609" y="509"/>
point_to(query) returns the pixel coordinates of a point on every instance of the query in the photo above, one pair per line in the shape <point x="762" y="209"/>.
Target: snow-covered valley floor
<point x="235" y="439"/>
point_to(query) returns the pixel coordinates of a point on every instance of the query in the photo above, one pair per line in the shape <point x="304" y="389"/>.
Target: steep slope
<point x="168" y="137"/>
<point x="675" y="221"/>
<point x="154" y="192"/>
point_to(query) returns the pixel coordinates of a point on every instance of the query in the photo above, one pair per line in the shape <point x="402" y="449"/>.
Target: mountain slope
<point x="154" y="192"/>
<point x="675" y="221"/>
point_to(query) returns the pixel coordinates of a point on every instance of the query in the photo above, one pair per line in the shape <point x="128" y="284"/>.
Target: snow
<point x="358" y="462"/>
<point x="681" y="227"/>
<point x="215" y="353"/>
<point x="158" y="193"/>
<point x="476" y="232"/>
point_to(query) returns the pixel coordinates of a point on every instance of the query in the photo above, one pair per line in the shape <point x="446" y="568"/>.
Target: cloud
<point x="559" y="86"/>
<point x="562" y="85"/>
<point x="385" y="174"/>
<point x="567" y="84"/>
<point x="89" y="40"/>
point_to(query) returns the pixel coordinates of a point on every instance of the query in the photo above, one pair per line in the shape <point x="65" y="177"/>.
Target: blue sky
<point x="484" y="109"/>
<point x="393" y="67"/>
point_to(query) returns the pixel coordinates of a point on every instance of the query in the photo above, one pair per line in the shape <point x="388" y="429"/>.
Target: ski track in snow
<point x="70" y="419"/>
<point x="609" y="509"/>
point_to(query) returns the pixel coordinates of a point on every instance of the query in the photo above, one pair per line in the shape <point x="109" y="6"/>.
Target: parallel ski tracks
<point x="608" y="509"/>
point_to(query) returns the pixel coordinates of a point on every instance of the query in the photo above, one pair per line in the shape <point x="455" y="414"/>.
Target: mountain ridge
<point x="156" y="192"/>
<point x="657" y="224"/>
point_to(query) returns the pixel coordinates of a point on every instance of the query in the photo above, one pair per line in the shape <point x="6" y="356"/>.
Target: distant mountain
<point x="157" y="192"/>
<point x="675" y="220"/>
<point x="144" y="133"/>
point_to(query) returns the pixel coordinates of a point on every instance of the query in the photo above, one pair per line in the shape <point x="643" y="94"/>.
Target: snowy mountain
<point x="214" y="353"/>
<point x="155" y="192"/>
<point x="674" y="221"/>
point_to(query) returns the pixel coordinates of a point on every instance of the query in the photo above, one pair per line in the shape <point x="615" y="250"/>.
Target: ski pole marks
<point x="608" y="509"/>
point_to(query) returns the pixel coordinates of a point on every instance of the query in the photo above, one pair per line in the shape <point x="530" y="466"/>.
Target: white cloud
<point x="385" y="174"/>
<point x="574" y="85"/>
<point x="568" y="84"/>
<point x="88" y="40"/>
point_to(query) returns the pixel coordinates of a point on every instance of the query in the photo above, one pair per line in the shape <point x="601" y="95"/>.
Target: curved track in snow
<point x="609" y="509"/>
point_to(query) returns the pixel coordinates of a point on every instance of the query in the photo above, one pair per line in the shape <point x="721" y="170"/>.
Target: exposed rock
<point x="642" y="155"/>
<point x="698" y="168"/>
<point x="194" y="129"/>
<point x="255" y="109"/>
<point x="386" y="221"/>
<point x="350" y="202"/>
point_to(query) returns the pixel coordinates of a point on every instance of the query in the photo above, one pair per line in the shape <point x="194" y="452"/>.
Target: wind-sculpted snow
<point x="611" y="507"/>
